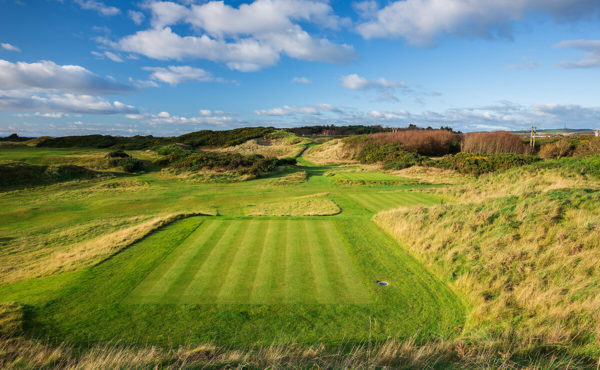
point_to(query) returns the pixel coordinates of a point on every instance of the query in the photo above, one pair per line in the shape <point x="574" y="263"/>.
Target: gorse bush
<point x="223" y="138"/>
<point x="394" y="156"/>
<point x="424" y="142"/>
<point x="476" y="164"/>
<point x="557" y="149"/>
<point x="19" y="174"/>
<point x="190" y="161"/>
<point x="493" y="143"/>
<point x="588" y="148"/>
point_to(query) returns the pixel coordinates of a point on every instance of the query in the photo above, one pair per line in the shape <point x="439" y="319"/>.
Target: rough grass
<point x="525" y="254"/>
<point x="431" y="175"/>
<point x="11" y="319"/>
<point x="448" y="354"/>
<point x="21" y="265"/>
<point x="367" y="178"/>
<point x="278" y="144"/>
<point x="333" y="151"/>
<point x="306" y="206"/>
<point x="291" y="179"/>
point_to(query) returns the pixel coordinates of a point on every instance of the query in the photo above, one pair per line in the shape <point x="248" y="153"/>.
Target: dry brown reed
<point x="493" y="143"/>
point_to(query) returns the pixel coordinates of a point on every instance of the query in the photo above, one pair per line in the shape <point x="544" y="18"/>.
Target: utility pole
<point x="532" y="136"/>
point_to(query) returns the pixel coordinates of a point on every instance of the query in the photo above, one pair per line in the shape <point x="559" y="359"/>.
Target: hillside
<point x="523" y="247"/>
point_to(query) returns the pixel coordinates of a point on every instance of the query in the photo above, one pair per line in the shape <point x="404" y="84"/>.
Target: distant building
<point x="596" y="133"/>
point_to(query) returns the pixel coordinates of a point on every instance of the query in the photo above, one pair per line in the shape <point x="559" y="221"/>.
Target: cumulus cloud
<point x="47" y="75"/>
<point x="9" y="47"/>
<point x="108" y="54"/>
<point x="65" y="102"/>
<point x="247" y="38"/>
<point x="301" y="80"/>
<point x="174" y="75"/>
<point x="591" y="50"/>
<point x="504" y="115"/>
<point x="98" y="6"/>
<point x="136" y="17"/>
<point x="384" y="87"/>
<point x="419" y="21"/>
<point x="289" y="110"/>
<point x="206" y="117"/>
<point x="48" y="87"/>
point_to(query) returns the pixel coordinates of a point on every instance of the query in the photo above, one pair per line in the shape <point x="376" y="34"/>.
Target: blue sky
<point x="165" y="68"/>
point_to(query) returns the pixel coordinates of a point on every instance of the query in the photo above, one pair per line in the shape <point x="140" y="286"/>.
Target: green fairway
<point x="233" y="278"/>
<point x="256" y="262"/>
<point x="379" y="201"/>
<point x="367" y="178"/>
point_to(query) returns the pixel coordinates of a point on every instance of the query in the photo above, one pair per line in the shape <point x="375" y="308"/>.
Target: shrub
<point x="190" y="161"/>
<point x="493" y="143"/>
<point x="557" y="149"/>
<point x="117" y="154"/>
<point x="18" y="174"/>
<point x="588" y="148"/>
<point x="424" y="142"/>
<point x="474" y="164"/>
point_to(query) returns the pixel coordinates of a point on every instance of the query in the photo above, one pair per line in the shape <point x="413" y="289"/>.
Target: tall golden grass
<point x="28" y="264"/>
<point x="493" y="143"/>
<point x="523" y="247"/>
<point x="24" y="353"/>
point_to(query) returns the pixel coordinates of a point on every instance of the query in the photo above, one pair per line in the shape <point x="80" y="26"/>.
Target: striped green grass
<point x="252" y="261"/>
<point x="379" y="201"/>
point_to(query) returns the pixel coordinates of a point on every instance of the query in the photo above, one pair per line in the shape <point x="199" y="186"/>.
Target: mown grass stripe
<point x="248" y="275"/>
<point x="353" y="291"/>
<point x="361" y="201"/>
<point x="262" y="280"/>
<point x="202" y="276"/>
<point x="307" y="277"/>
<point x="277" y="294"/>
<point x="234" y="276"/>
<point x="172" y="269"/>
<point x="323" y="289"/>
<point x="206" y="248"/>
<point x="221" y="269"/>
<point x="292" y="262"/>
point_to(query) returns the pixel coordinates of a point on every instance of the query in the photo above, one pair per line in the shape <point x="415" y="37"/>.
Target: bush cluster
<point x="255" y="165"/>
<point x="424" y="142"/>
<point x="393" y="155"/>
<point x="476" y="164"/>
<point x="557" y="149"/>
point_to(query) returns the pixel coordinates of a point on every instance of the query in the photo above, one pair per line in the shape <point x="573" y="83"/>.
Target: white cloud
<point x="246" y="38"/>
<point x="136" y="17"/>
<point x="591" y="50"/>
<point x="505" y="115"/>
<point x="419" y="21"/>
<point x="301" y="80"/>
<point x="9" y="47"/>
<point x="49" y="76"/>
<point x="174" y="75"/>
<point x="527" y="64"/>
<point x="98" y="6"/>
<point x="385" y="88"/>
<point x="290" y="110"/>
<point x="207" y="117"/>
<point x="65" y="102"/>
<point x="107" y="54"/>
